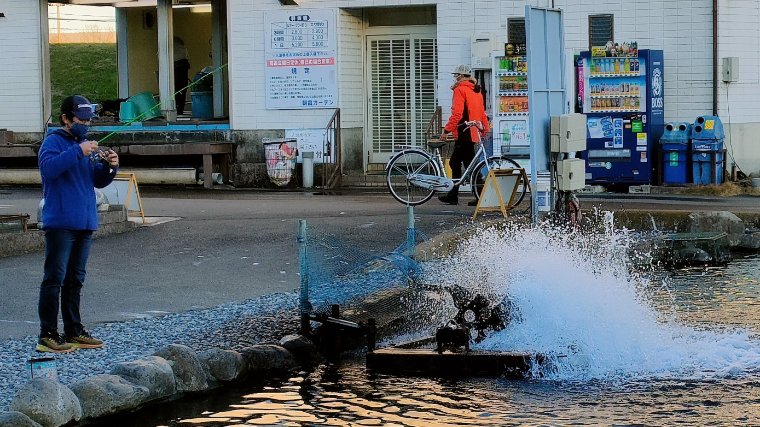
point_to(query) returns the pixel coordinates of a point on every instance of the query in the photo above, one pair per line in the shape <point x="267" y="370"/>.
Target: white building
<point x="392" y="60"/>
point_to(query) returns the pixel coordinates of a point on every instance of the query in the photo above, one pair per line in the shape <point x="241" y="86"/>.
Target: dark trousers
<point x="66" y="253"/>
<point x="181" y="68"/>
<point x="462" y="154"/>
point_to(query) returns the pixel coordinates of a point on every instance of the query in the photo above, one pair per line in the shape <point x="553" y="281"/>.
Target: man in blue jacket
<point x="70" y="166"/>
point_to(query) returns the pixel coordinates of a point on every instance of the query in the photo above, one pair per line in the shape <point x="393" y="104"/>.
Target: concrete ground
<point x="221" y="246"/>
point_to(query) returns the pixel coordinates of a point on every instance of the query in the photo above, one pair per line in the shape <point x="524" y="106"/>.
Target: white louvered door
<point x="402" y="92"/>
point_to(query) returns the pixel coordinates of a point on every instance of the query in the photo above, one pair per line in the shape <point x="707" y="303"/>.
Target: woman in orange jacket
<point x="467" y="105"/>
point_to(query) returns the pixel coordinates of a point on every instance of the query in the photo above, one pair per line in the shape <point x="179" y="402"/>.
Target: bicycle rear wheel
<point x="404" y="165"/>
<point x="478" y="179"/>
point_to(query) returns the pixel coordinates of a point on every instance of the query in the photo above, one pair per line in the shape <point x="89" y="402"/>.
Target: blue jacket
<point x="68" y="178"/>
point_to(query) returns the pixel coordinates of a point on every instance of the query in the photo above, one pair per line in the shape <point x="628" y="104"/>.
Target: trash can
<point x="707" y="150"/>
<point x="202" y="104"/>
<point x="674" y="146"/>
<point x="202" y="94"/>
<point x="280" y="155"/>
<point x="307" y="167"/>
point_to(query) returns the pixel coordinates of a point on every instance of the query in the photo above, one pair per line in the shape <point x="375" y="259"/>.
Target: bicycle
<point x="414" y="174"/>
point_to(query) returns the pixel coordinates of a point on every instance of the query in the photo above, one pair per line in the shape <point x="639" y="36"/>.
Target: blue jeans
<point x="66" y="253"/>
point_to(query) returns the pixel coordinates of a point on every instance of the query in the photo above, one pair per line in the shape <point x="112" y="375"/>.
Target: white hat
<point x="462" y="69"/>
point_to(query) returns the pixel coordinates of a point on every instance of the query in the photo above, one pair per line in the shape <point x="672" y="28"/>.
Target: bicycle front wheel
<point x="402" y="167"/>
<point x="480" y="174"/>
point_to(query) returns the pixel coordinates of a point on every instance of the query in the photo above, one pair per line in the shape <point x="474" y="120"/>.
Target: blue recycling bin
<point x="674" y="146"/>
<point x="707" y="150"/>
<point x="203" y="104"/>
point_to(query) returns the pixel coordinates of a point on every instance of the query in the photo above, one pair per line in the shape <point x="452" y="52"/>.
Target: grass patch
<point x="82" y="69"/>
<point x="727" y="189"/>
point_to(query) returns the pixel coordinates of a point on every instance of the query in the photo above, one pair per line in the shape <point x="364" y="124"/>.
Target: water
<point x="629" y="346"/>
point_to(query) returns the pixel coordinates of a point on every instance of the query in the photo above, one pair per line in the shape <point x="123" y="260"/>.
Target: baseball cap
<point x="462" y="69"/>
<point x="79" y="106"/>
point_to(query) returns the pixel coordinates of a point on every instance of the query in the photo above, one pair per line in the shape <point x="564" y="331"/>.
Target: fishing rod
<point x="158" y="104"/>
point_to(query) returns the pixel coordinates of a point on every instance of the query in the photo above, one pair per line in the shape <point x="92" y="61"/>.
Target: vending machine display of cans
<point x="510" y="106"/>
<point x="623" y="100"/>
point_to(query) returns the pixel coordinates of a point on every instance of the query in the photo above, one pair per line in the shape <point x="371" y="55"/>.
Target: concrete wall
<point x="739" y="27"/>
<point x="24" y="54"/>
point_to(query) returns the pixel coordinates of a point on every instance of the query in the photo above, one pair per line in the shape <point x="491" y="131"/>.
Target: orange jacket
<point x="464" y="94"/>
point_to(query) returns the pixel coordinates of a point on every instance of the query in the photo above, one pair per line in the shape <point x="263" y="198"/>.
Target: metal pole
<point x="411" y="239"/>
<point x="303" y="268"/>
<point x="410" y="233"/>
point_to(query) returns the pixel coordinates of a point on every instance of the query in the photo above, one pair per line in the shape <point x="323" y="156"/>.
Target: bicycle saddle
<point x="436" y="143"/>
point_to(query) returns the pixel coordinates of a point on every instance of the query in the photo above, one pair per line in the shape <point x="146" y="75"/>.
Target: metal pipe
<point x="410" y="232"/>
<point x="715" y="57"/>
<point x="303" y="269"/>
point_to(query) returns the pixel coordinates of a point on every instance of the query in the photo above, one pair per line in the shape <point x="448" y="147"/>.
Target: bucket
<point x="203" y="104"/>
<point x="756" y="182"/>
<point x="43" y="367"/>
<point x="127" y="112"/>
<point x="146" y="106"/>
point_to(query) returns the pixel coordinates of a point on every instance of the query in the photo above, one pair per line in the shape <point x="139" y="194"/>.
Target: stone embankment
<point x="112" y="221"/>
<point x="166" y="375"/>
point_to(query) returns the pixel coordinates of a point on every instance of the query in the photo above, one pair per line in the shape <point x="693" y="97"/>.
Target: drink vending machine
<point x="623" y="100"/>
<point x="509" y="89"/>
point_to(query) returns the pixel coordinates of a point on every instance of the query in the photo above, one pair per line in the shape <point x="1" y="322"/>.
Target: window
<point x="601" y="29"/>
<point x="516" y="31"/>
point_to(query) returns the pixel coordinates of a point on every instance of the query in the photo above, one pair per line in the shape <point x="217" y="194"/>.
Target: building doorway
<point x="402" y="67"/>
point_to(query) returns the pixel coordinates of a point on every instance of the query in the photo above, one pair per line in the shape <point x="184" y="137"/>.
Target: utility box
<point x="482" y="46"/>
<point x="571" y="174"/>
<point x="730" y="69"/>
<point x="568" y="133"/>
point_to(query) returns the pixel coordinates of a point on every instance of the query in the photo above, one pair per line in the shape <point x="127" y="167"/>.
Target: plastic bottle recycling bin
<point x="675" y="153"/>
<point x="707" y="137"/>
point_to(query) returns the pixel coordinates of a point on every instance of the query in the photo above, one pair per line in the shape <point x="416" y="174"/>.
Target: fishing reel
<point x="100" y="156"/>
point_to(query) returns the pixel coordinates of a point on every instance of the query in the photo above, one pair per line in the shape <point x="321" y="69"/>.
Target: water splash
<point x="579" y="300"/>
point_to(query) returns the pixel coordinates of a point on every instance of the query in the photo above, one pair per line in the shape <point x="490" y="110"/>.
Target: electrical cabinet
<point x="568" y="133"/>
<point x="571" y="174"/>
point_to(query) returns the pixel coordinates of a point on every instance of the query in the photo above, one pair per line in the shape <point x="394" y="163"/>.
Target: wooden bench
<point x="210" y="151"/>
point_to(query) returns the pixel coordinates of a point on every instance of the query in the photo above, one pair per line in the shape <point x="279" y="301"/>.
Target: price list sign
<point x="301" y="70"/>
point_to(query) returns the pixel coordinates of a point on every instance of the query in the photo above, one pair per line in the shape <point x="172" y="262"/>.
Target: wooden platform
<point x="427" y="362"/>
<point x="220" y="153"/>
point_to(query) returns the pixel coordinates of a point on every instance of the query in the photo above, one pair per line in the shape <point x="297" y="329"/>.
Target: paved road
<point x="226" y="246"/>
<point x="232" y="245"/>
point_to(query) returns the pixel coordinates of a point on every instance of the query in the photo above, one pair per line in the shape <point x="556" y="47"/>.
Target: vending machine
<point x="509" y="89"/>
<point x="623" y="99"/>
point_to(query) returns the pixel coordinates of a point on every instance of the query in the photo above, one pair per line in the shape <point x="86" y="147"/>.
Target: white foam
<point x="578" y="301"/>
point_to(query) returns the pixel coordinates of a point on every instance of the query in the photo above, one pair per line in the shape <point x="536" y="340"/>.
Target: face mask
<point x="79" y="131"/>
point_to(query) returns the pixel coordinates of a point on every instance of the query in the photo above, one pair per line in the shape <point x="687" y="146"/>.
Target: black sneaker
<point x="84" y="340"/>
<point x="472" y="202"/>
<point x="449" y="199"/>
<point x="52" y="342"/>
